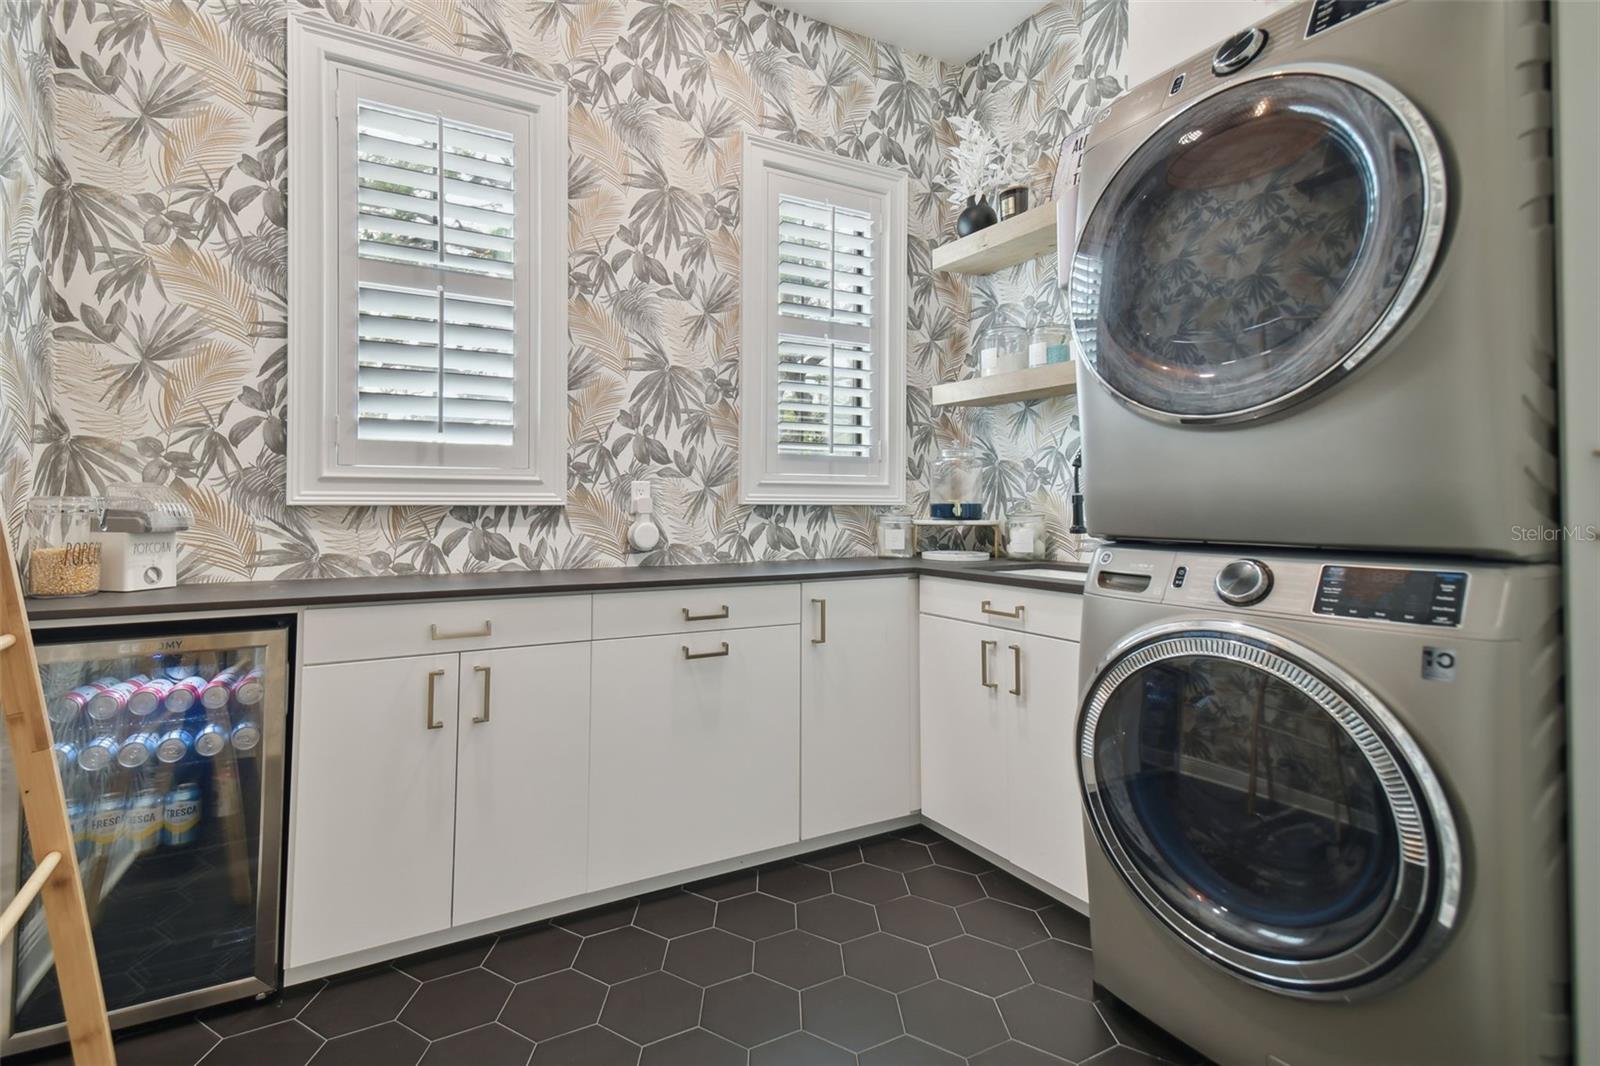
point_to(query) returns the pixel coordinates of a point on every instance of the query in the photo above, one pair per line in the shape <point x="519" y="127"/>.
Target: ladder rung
<point x="6" y="640"/>
<point x="30" y="888"/>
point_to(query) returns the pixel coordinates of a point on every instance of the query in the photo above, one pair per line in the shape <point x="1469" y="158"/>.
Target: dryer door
<point x="1268" y="809"/>
<point x="1262" y="243"/>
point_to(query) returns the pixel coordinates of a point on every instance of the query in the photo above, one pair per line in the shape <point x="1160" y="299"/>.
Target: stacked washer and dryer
<point x="1320" y="733"/>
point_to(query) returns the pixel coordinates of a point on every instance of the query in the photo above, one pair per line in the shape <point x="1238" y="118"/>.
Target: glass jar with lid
<point x="1047" y="343"/>
<point x="894" y="536"/>
<point x="64" y="545"/>
<point x="1025" y="535"/>
<point x="1002" y="349"/>
<point x="954" y="490"/>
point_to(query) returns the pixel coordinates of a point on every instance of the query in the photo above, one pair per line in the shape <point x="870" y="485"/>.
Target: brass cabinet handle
<point x="1016" y="670"/>
<point x="687" y="654"/>
<point x="1015" y="612"/>
<point x="687" y="617"/>
<point x="487" y="676"/>
<point x="822" y="622"/>
<point x="433" y="675"/>
<point x="983" y="663"/>
<point x="487" y="630"/>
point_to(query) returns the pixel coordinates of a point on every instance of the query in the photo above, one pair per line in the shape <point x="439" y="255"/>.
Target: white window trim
<point x="318" y="49"/>
<point x="759" y="483"/>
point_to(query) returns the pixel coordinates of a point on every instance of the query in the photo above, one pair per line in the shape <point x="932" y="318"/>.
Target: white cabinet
<point x="694" y="750"/>
<point x="375" y="787"/>
<point x="858" y="706"/>
<point x="999" y="710"/>
<point x="522" y="779"/>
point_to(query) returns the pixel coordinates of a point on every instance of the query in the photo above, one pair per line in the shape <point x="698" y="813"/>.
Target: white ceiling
<point x="952" y="30"/>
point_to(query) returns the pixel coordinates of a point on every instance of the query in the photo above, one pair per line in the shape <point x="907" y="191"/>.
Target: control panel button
<point x="1177" y="86"/>
<point x="1178" y="575"/>
<point x="1243" y="582"/>
<point x="1237" y="51"/>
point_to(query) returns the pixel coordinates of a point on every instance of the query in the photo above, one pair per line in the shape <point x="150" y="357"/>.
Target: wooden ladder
<point x="44" y="806"/>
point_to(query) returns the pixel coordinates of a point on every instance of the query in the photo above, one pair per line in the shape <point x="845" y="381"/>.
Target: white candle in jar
<point x="1038" y="353"/>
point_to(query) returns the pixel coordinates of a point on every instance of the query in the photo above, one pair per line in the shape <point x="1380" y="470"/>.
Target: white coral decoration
<point x="975" y="162"/>
<point x="1014" y="169"/>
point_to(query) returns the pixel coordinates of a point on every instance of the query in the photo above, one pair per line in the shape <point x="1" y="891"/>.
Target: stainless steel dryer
<point x="1328" y="795"/>
<point x="1312" y="286"/>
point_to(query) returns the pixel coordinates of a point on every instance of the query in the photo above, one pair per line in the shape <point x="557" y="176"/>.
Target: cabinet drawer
<point x="1050" y="614"/>
<point x="342" y="634"/>
<point x="695" y="609"/>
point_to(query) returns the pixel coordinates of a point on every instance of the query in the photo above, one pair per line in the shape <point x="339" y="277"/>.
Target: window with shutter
<point x="432" y="344"/>
<point x="824" y="328"/>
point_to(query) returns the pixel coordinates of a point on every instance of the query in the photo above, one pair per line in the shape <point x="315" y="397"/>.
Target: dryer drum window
<point x="1261" y="243"/>
<point x="1268" y="811"/>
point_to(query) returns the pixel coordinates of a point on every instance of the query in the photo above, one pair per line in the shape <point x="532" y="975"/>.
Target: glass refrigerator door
<point x="171" y="757"/>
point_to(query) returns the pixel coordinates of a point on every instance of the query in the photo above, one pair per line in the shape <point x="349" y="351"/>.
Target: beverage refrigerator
<point x="171" y="748"/>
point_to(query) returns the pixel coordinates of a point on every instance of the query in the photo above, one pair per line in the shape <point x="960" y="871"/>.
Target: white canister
<point x="133" y="561"/>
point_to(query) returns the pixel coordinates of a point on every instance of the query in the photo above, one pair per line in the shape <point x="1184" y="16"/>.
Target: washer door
<point x="1262" y="243"/>
<point x="1268" y="809"/>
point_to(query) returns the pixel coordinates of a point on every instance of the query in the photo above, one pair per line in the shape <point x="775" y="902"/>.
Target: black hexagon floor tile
<point x="798" y="959"/>
<point x="441" y="962"/>
<point x="850" y="1013"/>
<point x="908" y="1051"/>
<point x="1012" y="1053"/>
<point x="837" y="918"/>
<point x="800" y="1049"/>
<point x="795" y="882"/>
<point x="1066" y="924"/>
<point x="956" y="857"/>
<point x="594" y="1046"/>
<point x="697" y="1047"/>
<point x="389" y="1044"/>
<point x="1003" y="886"/>
<point x="725" y="886"/>
<point x="943" y="885"/>
<point x="834" y="858"/>
<point x="554" y="1004"/>
<point x="456" y="1003"/>
<point x="709" y="956"/>
<point x="921" y="920"/>
<point x="755" y="915"/>
<point x="652" y="1007"/>
<point x="897" y="854"/>
<point x="619" y="954"/>
<point x="234" y="1018"/>
<point x="869" y="884"/>
<point x="1061" y="966"/>
<point x="1002" y="923"/>
<point x="358" y="1001"/>
<point x="981" y="966"/>
<point x="281" y="1044"/>
<point x="1055" y="1022"/>
<point x="750" y="1010"/>
<point x="951" y="1017"/>
<point x="675" y="913"/>
<point x="487" y="1045"/>
<point x="599" y="919"/>
<point x="525" y="955"/>
<point x="888" y="962"/>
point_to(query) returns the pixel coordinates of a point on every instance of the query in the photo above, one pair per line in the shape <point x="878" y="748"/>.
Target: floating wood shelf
<point x="1035" y="383"/>
<point x="1016" y="240"/>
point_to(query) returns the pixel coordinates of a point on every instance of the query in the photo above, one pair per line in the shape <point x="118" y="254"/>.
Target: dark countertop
<point x="269" y="596"/>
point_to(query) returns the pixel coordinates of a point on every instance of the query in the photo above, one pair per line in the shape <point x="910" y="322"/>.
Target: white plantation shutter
<point x="824" y="344"/>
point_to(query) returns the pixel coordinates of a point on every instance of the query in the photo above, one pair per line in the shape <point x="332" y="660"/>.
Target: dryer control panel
<point x="1393" y="594"/>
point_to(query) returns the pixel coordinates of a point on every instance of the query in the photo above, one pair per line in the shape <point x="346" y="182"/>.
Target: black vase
<point x="975" y="216"/>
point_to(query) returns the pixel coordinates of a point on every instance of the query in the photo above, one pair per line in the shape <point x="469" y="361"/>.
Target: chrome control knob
<point x="1237" y="51"/>
<point x="1243" y="582"/>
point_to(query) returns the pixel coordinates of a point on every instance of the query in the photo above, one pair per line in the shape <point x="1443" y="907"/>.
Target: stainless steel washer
<point x="1328" y="818"/>
<point x="1311" y="287"/>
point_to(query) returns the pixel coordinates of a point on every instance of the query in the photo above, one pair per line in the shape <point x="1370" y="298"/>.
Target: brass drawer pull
<point x="488" y="674"/>
<point x="433" y="675"/>
<point x="1016" y="670"/>
<point x="1015" y="612"/>
<point x="687" y="654"/>
<point x="487" y="630"/>
<point x="687" y="617"/>
<point x="983" y="663"/>
<point x="822" y="622"/>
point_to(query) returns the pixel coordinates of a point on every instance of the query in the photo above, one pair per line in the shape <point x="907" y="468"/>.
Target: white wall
<point x="1162" y="33"/>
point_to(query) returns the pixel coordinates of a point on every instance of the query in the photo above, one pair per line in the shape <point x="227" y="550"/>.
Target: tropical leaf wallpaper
<point x="143" y="205"/>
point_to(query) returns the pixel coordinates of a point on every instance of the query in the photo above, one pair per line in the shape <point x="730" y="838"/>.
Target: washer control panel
<point x="1392" y="594"/>
<point x="1326" y="14"/>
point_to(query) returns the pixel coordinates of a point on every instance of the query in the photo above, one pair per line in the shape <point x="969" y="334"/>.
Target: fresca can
<point x="246" y="735"/>
<point x="175" y="744"/>
<point x="148" y="697"/>
<point x="78" y="816"/>
<point x="211" y="739"/>
<point x="249" y="690"/>
<point x="66" y="755"/>
<point x="67" y="707"/>
<point x="98" y="754"/>
<point x="137" y="750"/>
<point x="181" y="817"/>
<point x="113" y="699"/>
<point x="185" y="694"/>
<point x="216" y="694"/>
<point x="144" y="819"/>
<point x="105" y="821"/>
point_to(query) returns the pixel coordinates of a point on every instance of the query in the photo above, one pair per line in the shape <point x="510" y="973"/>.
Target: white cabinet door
<point x="374" y="805"/>
<point x="964" y="728"/>
<point x="858" y="706"/>
<point x="1046" y="804"/>
<point x="522" y="780"/>
<point x="692" y="760"/>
